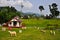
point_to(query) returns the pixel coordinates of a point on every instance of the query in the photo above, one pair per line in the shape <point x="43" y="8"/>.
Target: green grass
<point x="32" y="33"/>
<point x="40" y="22"/>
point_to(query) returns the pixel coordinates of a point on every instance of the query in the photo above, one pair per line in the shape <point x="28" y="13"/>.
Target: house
<point x="15" y="22"/>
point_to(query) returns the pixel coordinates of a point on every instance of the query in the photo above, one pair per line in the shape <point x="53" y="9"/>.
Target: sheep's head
<point x="9" y="31"/>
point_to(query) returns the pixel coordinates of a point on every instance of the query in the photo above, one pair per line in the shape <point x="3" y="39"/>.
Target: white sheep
<point x="12" y="33"/>
<point x="3" y="29"/>
<point x="24" y="27"/>
<point x="20" y="31"/>
<point x="52" y="32"/>
<point x="38" y="28"/>
<point x="43" y="31"/>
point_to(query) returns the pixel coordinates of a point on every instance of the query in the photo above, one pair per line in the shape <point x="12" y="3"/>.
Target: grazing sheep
<point x="43" y="31"/>
<point x="20" y="31"/>
<point x="3" y="29"/>
<point x="24" y="27"/>
<point x="38" y="28"/>
<point x="52" y="32"/>
<point x="12" y="33"/>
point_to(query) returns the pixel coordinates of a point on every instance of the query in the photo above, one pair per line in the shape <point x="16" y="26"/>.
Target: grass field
<point x="32" y="33"/>
<point x="40" y="22"/>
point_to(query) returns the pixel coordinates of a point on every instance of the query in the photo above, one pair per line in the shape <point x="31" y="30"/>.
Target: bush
<point x="52" y="26"/>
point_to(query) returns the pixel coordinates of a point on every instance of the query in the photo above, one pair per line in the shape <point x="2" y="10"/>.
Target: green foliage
<point x="6" y="13"/>
<point x="54" y="10"/>
<point x="54" y="5"/>
<point x="50" y="28"/>
<point x="41" y="8"/>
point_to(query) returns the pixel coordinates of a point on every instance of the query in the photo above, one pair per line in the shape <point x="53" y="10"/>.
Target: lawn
<point x="32" y="33"/>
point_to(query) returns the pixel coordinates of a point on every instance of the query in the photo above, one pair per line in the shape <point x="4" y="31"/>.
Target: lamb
<point x="20" y="31"/>
<point x="3" y="29"/>
<point x="52" y="32"/>
<point x="24" y="27"/>
<point x="12" y="33"/>
<point x="38" y="28"/>
<point x="43" y="31"/>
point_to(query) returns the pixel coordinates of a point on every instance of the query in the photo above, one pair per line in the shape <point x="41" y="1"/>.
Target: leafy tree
<point x="22" y="6"/>
<point x="41" y="8"/>
<point x="6" y="13"/>
<point x="54" y="5"/>
<point x="54" y="10"/>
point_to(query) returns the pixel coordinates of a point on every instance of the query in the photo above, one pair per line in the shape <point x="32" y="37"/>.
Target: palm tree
<point x="22" y="6"/>
<point x="41" y="8"/>
<point x="54" y="5"/>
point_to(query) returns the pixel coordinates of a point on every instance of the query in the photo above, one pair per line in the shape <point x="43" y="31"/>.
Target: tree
<point x="54" y="5"/>
<point x="54" y="10"/>
<point x="6" y="13"/>
<point x="22" y="6"/>
<point x="41" y="8"/>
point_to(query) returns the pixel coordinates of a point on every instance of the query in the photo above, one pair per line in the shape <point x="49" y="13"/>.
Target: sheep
<point x="43" y="31"/>
<point x="3" y="29"/>
<point x="38" y="28"/>
<point x="24" y="27"/>
<point x="12" y="33"/>
<point x="52" y="32"/>
<point x="20" y="31"/>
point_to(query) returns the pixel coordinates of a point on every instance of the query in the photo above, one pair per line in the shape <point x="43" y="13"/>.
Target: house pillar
<point x="11" y="23"/>
<point x="17" y="24"/>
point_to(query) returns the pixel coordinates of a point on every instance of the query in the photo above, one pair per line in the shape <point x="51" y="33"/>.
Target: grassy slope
<point x="32" y="33"/>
